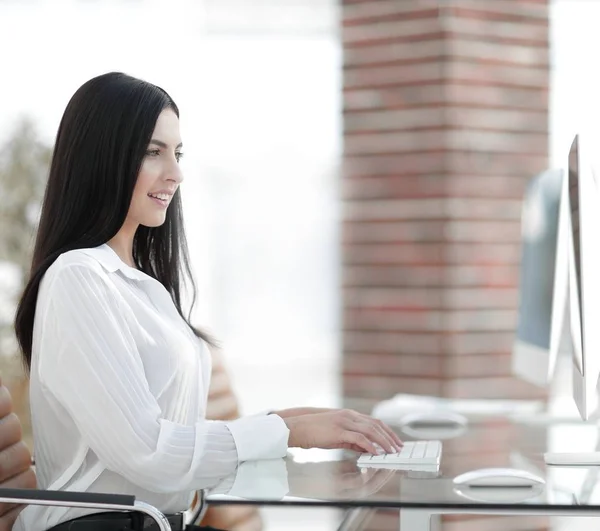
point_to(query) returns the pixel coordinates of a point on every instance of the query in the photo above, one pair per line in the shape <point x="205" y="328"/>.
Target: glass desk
<point x="322" y="478"/>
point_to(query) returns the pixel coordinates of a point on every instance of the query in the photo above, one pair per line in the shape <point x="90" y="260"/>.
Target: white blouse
<point x="118" y="393"/>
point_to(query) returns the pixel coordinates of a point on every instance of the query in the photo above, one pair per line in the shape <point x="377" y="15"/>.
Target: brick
<point x="481" y="209"/>
<point x="481" y="298"/>
<point x="500" y="187"/>
<point x="373" y="254"/>
<point x="394" y="187"/>
<point x="395" y="142"/>
<point x="395" y="31"/>
<point x="445" y="121"/>
<point x="434" y="319"/>
<point x="456" y="208"/>
<point x="394" y="232"/>
<point x="497" y="53"/>
<point x="524" y="34"/>
<point x="411" y="74"/>
<point x="481" y="320"/>
<point x="434" y="140"/>
<point x="479" y="231"/>
<point x="394" y="209"/>
<point x="476" y="73"/>
<point x="393" y="342"/>
<point x="393" y="276"/>
<point x="531" y="13"/>
<point x="511" y="165"/>
<point x="480" y="343"/>
<point x="450" y="117"/>
<point x="477" y="366"/>
<point x="523" y="99"/>
<point x="384" y="10"/>
<point x="493" y="275"/>
<point x="409" y="163"/>
<point x="388" y="187"/>
<point x="497" y="387"/>
<point x="399" y="299"/>
<point x="396" y="53"/>
<point x="411" y="119"/>
<point x="378" y="388"/>
<point x="479" y="254"/>
<point x="411" y="321"/>
<point x="368" y="363"/>
<point x="399" y="97"/>
<point x="501" y="120"/>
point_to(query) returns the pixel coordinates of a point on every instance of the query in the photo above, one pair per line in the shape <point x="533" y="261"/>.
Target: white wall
<point x="260" y="123"/>
<point x="575" y="76"/>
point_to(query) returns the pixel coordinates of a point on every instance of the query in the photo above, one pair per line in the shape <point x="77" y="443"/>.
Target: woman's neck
<point x="122" y="244"/>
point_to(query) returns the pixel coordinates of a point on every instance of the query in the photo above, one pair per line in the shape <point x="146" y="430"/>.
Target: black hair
<point x="100" y="145"/>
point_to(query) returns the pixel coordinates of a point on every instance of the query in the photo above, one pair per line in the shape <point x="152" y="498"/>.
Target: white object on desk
<point x="434" y="418"/>
<point x="499" y="485"/>
<point x="499" y="477"/>
<point x="499" y="494"/>
<point x="572" y="458"/>
<point x="433" y="425"/>
<point x="394" y="409"/>
<point x="413" y="454"/>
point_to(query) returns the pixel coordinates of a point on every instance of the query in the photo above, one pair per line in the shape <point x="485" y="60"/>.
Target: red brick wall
<point x="445" y="120"/>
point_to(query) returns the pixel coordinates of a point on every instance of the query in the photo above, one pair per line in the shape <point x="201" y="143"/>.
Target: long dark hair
<point x="101" y="142"/>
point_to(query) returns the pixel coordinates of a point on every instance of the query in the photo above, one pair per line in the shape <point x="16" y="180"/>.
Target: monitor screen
<point x="542" y="278"/>
<point x="574" y="209"/>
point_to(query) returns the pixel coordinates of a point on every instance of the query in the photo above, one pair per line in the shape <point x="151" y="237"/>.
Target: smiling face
<point x="160" y="174"/>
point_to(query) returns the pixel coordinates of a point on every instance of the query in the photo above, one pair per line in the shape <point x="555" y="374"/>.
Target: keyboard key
<point x="413" y="454"/>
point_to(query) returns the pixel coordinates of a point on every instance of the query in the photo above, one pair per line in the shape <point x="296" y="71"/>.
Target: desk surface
<point x="331" y="478"/>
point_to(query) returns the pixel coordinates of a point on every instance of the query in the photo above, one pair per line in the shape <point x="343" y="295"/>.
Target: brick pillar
<point x="445" y="120"/>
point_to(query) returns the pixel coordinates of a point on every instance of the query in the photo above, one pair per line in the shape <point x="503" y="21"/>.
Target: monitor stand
<point x="572" y="458"/>
<point x="584" y="459"/>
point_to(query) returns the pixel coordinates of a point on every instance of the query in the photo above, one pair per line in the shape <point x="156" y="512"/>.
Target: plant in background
<point x="24" y="164"/>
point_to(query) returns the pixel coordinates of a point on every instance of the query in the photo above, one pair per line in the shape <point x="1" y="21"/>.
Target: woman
<point x="118" y="375"/>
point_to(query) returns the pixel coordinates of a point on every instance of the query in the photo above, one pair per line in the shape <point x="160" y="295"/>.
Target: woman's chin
<point x="154" y="222"/>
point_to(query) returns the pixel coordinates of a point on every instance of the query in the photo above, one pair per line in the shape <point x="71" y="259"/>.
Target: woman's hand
<point x="342" y="428"/>
<point x="298" y="411"/>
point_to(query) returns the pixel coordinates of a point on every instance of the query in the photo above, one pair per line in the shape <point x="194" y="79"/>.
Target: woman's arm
<point x="93" y="368"/>
<point x="298" y="411"/>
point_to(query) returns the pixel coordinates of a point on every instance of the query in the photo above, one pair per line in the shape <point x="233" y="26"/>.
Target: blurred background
<point x="354" y="175"/>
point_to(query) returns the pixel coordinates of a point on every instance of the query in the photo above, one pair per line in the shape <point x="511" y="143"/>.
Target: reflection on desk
<point x="332" y="478"/>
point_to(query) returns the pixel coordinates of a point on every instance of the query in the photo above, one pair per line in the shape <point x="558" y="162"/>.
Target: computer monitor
<point x="583" y="287"/>
<point x="541" y="325"/>
<point x="584" y="273"/>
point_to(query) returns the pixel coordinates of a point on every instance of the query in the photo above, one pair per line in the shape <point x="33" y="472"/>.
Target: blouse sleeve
<point x="95" y="371"/>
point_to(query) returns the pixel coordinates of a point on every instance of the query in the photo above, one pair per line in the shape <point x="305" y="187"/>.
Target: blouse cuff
<point x="259" y="437"/>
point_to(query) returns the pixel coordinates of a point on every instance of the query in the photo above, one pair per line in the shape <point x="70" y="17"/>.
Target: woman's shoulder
<point x="77" y="258"/>
<point x="76" y="263"/>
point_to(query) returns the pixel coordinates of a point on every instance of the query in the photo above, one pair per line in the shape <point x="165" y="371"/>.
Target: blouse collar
<point x="110" y="261"/>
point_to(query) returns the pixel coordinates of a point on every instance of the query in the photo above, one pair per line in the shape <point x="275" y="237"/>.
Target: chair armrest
<point x="88" y="500"/>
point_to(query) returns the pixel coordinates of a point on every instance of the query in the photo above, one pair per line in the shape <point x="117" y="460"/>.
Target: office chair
<point x="18" y="483"/>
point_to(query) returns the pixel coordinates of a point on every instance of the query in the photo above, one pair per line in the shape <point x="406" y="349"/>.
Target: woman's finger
<point x="391" y="433"/>
<point x="358" y="439"/>
<point x="375" y="433"/>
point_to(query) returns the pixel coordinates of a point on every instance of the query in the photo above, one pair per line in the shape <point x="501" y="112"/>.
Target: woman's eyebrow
<point x="161" y="144"/>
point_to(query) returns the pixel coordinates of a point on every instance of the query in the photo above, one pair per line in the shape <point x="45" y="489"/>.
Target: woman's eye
<point x="153" y="153"/>
<point x="178" y="156"/>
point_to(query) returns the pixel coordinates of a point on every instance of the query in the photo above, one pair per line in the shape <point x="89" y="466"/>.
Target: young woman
<point x="118" y="375"/>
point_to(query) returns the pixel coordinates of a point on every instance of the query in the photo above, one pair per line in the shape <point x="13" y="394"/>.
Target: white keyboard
<point x="417" y="453"/>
